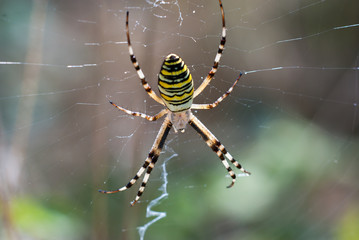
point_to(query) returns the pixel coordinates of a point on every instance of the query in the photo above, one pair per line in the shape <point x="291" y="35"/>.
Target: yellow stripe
<point x="176" y="98"/>
<point x="167" y="73"/>
<point x="172" y="63"/>
<point x="175" y="85"/>
<point x="171" y="94"/>
<point x="163" y="78"/>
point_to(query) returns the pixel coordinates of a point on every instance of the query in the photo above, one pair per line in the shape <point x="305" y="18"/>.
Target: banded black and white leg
<point x="149" y="163"/>
<point x="142" y="115"/>
<point x="217" y="147"/>
<point x="135" y="63"/>
<point x="145" y="85"/>
<point x="219" y="100"/>
<point x="216" y="59"/>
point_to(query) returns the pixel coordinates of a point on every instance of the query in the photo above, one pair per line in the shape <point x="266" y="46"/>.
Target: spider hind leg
<point x="149" y="163"/>
<point x="229" y="156"/>
<point x="217" y="147"/>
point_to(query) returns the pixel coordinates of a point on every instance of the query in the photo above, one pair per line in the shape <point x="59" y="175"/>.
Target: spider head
<point x="179" y="120"/>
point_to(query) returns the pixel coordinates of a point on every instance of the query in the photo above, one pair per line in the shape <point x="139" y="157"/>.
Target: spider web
<point x="292" y="120"/>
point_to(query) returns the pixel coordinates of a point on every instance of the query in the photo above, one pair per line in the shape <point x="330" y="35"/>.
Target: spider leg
<point x="138" y="69"/>
<point x="229" y="156"/>
<point x="217" y="147"/>
<point x="220" y="99"/>
<point x="217" y="58"/>
<point x="149" y="162"/>
<point x="142" y="115"/>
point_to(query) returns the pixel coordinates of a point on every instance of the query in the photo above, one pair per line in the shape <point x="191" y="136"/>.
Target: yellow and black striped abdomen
<point x="175" y="84"/>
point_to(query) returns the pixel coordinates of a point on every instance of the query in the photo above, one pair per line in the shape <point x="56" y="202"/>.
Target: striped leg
<point x="142" y="115"/>
<point x="220" y="99"/>
<point x="148" y="172"/>
<point x="149" y="162"/>
<point x="217" y="147"/>
<point x="229" y="156"/>
<point x="217" y="59"/>
<point x="138" y="69"/>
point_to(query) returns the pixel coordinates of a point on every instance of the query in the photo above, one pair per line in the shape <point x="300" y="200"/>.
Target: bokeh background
<point x="292" y="120"/>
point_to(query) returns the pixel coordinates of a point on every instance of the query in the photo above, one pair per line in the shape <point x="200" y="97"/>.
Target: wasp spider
<point x="176" y="90"/>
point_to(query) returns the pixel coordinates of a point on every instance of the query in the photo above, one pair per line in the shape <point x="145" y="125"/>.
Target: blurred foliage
<point x="286" y="197"/>
<point x="291" y="163"/>
<point x="347" y="228"/>
<point x="33" y="218"/>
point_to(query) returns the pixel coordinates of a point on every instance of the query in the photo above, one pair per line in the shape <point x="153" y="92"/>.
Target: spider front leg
<point x="217" y="58"/>
<point x="217" y="147"/>
<point x="219" y="100"/>
<point x="136" y="65"/>
<point x="142" y="115"/>
<point x="149" y="162"/>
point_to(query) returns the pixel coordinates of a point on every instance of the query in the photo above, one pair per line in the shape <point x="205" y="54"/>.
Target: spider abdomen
<point x="175" y="84"/>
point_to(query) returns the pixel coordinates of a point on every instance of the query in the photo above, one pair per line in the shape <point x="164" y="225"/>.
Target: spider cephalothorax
<point x="175" y="85"/>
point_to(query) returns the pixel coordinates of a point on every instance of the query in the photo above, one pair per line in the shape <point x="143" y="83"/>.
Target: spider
<point x="177" y="93"/>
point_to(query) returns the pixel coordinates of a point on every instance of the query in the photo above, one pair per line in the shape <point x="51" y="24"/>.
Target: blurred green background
<point x="292" y="120"/>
